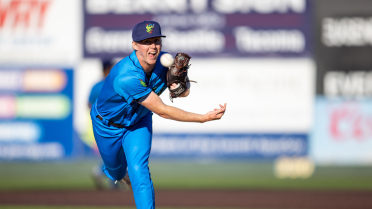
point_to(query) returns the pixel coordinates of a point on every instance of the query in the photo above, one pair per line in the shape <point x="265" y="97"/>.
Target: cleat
<point x="126" y="180"/>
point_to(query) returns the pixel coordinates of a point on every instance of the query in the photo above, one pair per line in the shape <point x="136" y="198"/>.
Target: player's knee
<point x="137" y="170"/>
<point x="139" y="173"/>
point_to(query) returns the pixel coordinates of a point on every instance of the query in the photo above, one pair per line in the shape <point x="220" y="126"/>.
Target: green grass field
<point x="178" y="174"/>
<point x="181" y="174"/>
<point x="76" y="207"/>
<point x="60" y="207"/>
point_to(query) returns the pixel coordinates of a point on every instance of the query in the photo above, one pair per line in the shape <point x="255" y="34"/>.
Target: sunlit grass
<point x="184" y="175"/>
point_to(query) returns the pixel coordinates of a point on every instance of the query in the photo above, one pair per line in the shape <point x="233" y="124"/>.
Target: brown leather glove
<point x="177" y="74"/>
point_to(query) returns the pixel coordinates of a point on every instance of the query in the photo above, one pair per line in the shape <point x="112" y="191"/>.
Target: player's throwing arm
<point x="179" y="84"/>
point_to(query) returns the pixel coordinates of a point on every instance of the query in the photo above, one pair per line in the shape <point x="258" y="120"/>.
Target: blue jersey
<point x="96" y="89"/>
<point x="125" y="86"/>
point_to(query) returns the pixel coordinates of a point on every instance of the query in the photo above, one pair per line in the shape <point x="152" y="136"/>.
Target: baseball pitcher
<point x="122" y="113"/>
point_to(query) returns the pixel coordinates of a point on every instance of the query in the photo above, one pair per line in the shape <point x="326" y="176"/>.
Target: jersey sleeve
<point x="131" y="88"/>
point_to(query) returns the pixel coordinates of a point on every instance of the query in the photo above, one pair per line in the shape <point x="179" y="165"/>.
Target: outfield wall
<point x="269" y="104"/>
<point x="295" y="75"/>
<point x="342" y="131"/>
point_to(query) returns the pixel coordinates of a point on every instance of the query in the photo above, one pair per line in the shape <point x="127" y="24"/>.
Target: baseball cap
<point x="145" y="30"/>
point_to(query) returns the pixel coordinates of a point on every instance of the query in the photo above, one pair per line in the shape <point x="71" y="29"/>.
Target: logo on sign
<point x="350" y="121"/>
<point x="23" y="14"/>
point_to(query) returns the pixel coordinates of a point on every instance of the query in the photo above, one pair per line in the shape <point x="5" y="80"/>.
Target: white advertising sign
<point x="265" y="95"/>
<point x="40" y="31"/>
<point x="342" y="131"/>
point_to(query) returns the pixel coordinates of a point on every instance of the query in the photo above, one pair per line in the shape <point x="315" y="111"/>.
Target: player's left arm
<point x="154" y="103"/>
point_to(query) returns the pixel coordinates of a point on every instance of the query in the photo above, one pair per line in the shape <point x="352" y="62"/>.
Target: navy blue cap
<point x="145" y="30"/>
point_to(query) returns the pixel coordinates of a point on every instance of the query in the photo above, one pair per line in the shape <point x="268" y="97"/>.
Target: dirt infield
<point x="199" y="198"/>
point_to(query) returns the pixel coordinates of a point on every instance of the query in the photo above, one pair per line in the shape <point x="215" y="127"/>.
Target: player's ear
<point x="134" y="45"/>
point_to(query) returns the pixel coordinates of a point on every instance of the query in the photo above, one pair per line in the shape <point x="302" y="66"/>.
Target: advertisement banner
<point x="36" y="113"/>
<point x="343" y="45"/>
<point x="262" y="95"/>
<point x="342" y="132"/>
<point x="203" y="28"/>
<point x="269" y="104"/>
<point x="247" y="145"/>
<point x="40" y="31"/>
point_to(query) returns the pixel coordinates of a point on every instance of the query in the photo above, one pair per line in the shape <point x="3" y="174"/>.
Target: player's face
<point x="148" y="51"/>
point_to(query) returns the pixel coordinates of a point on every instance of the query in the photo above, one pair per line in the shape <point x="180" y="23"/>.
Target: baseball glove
<point x="177" y="74"/>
